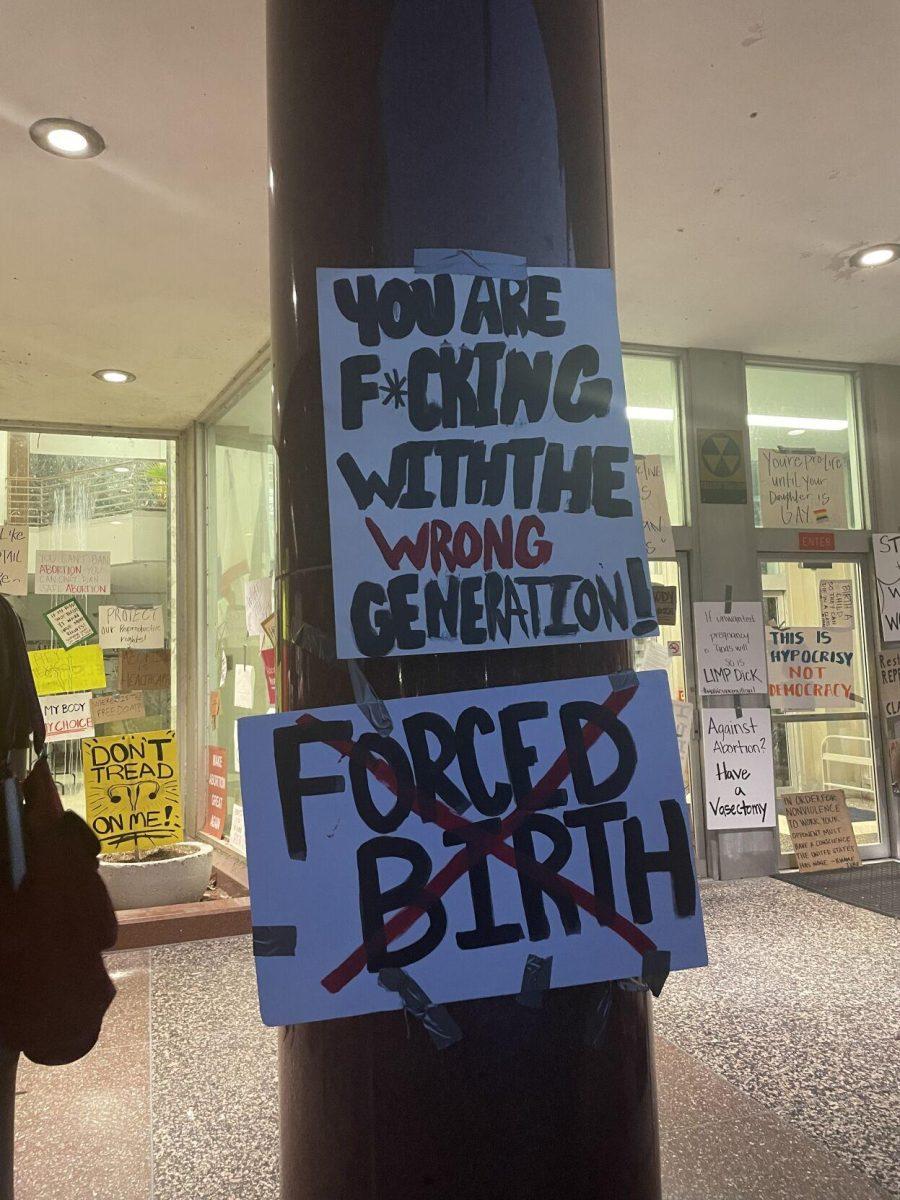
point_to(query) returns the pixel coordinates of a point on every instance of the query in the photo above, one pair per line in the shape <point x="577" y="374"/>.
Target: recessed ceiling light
<point x="122" y="470"/>
<point x="70" y="139"/>
<point x="796" y="432"/>
<point x="773" y="422"/>
<point x="876" y="256"/>
<point x="113" y="375"/>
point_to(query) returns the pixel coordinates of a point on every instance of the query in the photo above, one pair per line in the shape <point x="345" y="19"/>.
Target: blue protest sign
<point x="481" y="483"/>
<point x="545" y="819"/>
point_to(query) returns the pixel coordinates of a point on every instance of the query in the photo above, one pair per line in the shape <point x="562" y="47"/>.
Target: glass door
<point x="821" y="745"/>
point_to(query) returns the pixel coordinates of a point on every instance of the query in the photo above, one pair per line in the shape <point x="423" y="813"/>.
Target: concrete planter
<point x="171" y="875"/>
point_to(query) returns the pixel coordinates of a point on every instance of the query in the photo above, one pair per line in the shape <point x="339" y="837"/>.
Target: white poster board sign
<point x="14" y="560"/>
<point x="886" y="549"/>
<point x="654" y="506"/>
<point x="259" y="603"/>
<point x="738" y="782"/>
<point x="802" y="490"/>
<point x="731" y="649"/>
<point x="361" y="858"/>
<point x="135" y="628"/>
<point x="481" y="484"/>
<point x="243" y="686"/>
<point x="836" y="603"/>
<point x="68" y="717"/>
<point x="72" y="573"/>
<point x="810" y="667"/>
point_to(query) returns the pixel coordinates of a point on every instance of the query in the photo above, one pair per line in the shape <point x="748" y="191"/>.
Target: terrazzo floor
<point x="777" y="1067"/>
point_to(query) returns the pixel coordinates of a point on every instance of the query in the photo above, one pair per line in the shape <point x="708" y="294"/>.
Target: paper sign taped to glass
<point x="481" y="482"/>
<point x="545" y="818"/>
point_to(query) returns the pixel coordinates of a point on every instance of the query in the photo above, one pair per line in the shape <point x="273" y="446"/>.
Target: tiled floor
<point x="777" y="1069"/>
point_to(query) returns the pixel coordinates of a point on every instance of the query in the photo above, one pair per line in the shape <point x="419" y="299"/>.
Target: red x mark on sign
<point x="496" y="845"/>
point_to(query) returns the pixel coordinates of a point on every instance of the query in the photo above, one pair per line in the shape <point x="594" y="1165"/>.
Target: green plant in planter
<point x="157" y="476"/>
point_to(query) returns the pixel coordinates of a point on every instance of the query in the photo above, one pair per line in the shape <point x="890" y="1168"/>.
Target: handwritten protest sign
<point x="72" y="573"/>
<point x="810" y="667"/>
<point x="731" y="651"/>
<point x="665" y="597"/>
<point x="821" y="830"/>
<point x="216" y="791"/>
<point x="836" y="603"/>
<point x="481" y="484"/>
<point x="658" y="536"/>
<point x="67" y="717"/>
<point x="70" y="623"/>
<point x="738" y="782"/>
<point x="77" y="670"/>
<point x="125" y="706"/>
<point x="889" y="683"/>
<point x="131" y="786"/>
<point x="555" y="824"/>
<point x="244" y="677"/>
<point x="802" y="489"/>
<point x="886" y="549"/>
<point x="14" y="560"/>
<point x="139" y="628"/>
<point x="259" y="602"/>
<point x="144" y="670"/>
<point x="683" y="712"/>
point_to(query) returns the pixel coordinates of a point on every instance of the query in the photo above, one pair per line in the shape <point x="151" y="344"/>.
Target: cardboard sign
<point x="139" y="628"/>
<point x="722" y="472"/>
<point x="658" y="536"/>
<point x="14" y="560"/>
<point x="216" y="791"/>
<point x="738" y="782"/>
<point x="482" y="489"/>
<point x="77" y="670"/>
<point x="131" y="787"/>
<point x="810" y="667"/>
<point x="889" y="683"/>
<point x="117" y="706"/>
<point x="731" y="649"/>
<point x="215" y="705"/>
<point x="70" y="623"/>
<point x="836" y="603"/>
<point x="802" y="488"/>
<point x="67" y="717"/>
<point x="821" y="830"/>
<point x="886" y="549"/>
<point x="570" y="773"/>
<point x="144" y="670"/>
<point x="259" y="602"/>
<point x="244" y="676"/>
<point x="665" y="598"/>
<point x="72" y="573"/>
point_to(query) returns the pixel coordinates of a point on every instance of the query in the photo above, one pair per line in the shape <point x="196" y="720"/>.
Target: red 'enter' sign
<point x="808" y="539"/>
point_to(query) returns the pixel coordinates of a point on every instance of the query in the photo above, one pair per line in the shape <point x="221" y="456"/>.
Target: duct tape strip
<point x="599" y="1018"/>
<point x="655" y="967"/>
<point x="314" y="641"/>
<point x="623" y="679"/>
<point x="728" y="597"/>
<point x="274" y="941"/>
<point x="857" y="699"/>
<point x="440" y="1026"/>
<point x="535" y="980"/>
<point x="470" y="262"/>
<point x="738" y="711"/>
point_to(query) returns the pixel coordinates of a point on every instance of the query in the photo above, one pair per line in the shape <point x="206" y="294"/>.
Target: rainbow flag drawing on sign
<point x="821" y="515"/>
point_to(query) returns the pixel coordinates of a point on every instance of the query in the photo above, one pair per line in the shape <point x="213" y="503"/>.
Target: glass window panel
<point x="671" y="640"/>
<point x="115" y="494"/>
<point x="241" y="549"/>
<point x="793" y="409"/>
<point x="654" y="413"/>
<point x="836" y="749"/>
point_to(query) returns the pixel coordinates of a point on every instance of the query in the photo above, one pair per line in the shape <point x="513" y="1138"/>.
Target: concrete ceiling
<point x="753" y="150"/>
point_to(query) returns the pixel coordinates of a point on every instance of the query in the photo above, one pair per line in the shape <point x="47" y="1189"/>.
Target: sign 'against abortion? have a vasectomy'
<point x="481" y="482"/>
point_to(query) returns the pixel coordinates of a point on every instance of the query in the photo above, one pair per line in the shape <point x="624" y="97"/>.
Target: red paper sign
<point x="268" y="657"/>
<point x="216" y="790"/>
<point x="808" y="539"/>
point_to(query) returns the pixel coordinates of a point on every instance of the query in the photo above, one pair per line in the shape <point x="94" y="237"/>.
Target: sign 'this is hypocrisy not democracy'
<point x="481" y="481"/>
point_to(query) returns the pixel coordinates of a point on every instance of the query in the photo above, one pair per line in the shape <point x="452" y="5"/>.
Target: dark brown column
<point x="396" y="125"/>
